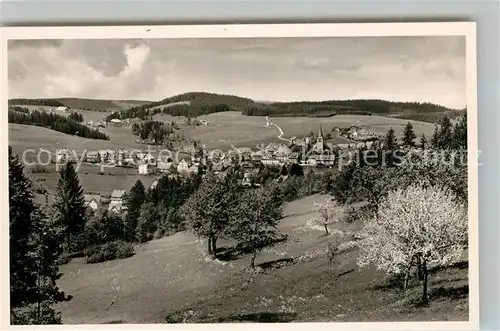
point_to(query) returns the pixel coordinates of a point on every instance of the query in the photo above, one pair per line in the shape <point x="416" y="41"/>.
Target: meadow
<point x="233" y="128"/>
<point x="173" y="280"/>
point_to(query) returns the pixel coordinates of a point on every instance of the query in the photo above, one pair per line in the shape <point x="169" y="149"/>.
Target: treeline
<point x="196" y="104"/>
<point x="77" y="117"/>
<point x="20" y="109"/>
<point x="335" y="107"/>
<point x="301" y="110"/>
<point x="431" y="117"/>
<point x="36" y="102"/>
<point x="57" y="123"/>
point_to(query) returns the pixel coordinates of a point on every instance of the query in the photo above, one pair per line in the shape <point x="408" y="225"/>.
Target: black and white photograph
<point x="278" y="173"/>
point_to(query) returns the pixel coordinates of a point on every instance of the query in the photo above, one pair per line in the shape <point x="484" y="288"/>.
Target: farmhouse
<point x="61" y="108"/>
<point x="92" y="201"/>
<point x="282" y="153"/>
<point x="92" y="157"/>
<point x="116" y="201"/>
<point x="146" y="168"/>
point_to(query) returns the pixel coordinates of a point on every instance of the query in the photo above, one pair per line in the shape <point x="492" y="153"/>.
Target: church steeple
<point x="320" y="132"/>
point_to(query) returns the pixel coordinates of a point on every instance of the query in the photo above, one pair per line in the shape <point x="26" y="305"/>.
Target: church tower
<point x="319" y="141"/>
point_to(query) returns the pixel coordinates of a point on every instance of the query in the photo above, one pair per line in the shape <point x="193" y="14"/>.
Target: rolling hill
<point x="81" y="103"/>
<point x="195" y="104"/>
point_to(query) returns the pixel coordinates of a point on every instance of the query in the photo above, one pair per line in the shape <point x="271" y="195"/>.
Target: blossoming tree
<point x="329" y="213"/>
<point x="419" y="226"/>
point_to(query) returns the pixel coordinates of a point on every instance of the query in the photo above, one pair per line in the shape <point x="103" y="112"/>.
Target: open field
<point x="112" y="178"/>
<point x="22" y="137"/>
<point x="248" y="131"/>
<point x="172" y="277"/>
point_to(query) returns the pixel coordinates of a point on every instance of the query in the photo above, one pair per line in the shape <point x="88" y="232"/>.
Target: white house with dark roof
<point x="116" y="201"/>
<point x="92" y="201"/>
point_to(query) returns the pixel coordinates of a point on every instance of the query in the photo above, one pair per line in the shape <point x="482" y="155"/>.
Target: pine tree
<point x="435" y="138"/>
<point x="460" y="133"/>
<point x="423" y="141"/>
<point x="21" y="219"/>
<point x="35" y="250"/>
<point x="70" y="204"/>
<point x="409" y="136"/>
<point x="133" y="202"/>
<point x="445" y="140"/>
<point x="391" y="141"/>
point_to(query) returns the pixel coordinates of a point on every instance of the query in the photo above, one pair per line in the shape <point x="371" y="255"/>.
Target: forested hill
<point x="190" y="104"/>
<point x="195" y="104"/>
<point x="357" y="106"/>
<point x="79" y="103"/>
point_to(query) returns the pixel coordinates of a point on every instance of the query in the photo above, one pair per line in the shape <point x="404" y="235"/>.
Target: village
<point x="309" y="152"/>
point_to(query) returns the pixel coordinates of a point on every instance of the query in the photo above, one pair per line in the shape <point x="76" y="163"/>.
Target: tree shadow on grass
<point x="264" y="317"/>
<point x="452" y="293"/>
<point x="235" y="252"/>
<point x="443" y="293"/>
<point x="345" y="273"/>
<point x="459" y="265"/>
<point x="276" y="264"/>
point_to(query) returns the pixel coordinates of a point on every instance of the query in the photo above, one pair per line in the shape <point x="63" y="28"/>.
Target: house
<point x="193" y="169"/>
<point x="312" y="160"/>
<point x="282" y="153"/>
<point x="154" y="185"/>
<point x="61" y="108"/>
<point x="146" y="168"/>
<point x="271" y="162"/>
<point x="256" y="156"/>
<point x="183" y="166"/>
<point x="294" y="157"/>
<point x="164" y="166"/>
<point x="116" y="201"/>
<point x="245" y="154"/>
<point x="92" y="201"/>
<point x="92" y="157"/>
<point x="106" y="155"/>
<point x="63" y="155"/>
<point x="326" y="159"/>
<point x="116" y="121"/>
<point x="216" y="155"/>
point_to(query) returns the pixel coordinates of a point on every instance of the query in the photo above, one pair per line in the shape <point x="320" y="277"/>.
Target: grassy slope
<point x="173" y="277"/>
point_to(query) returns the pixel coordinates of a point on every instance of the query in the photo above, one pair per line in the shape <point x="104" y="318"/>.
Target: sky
<point x="424" y="69"/>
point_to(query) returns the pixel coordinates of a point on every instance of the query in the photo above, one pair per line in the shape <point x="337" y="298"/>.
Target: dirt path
<point x="280" y="136"/>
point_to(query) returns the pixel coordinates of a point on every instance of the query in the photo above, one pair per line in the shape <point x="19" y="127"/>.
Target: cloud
<point x="407" y="69"/>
